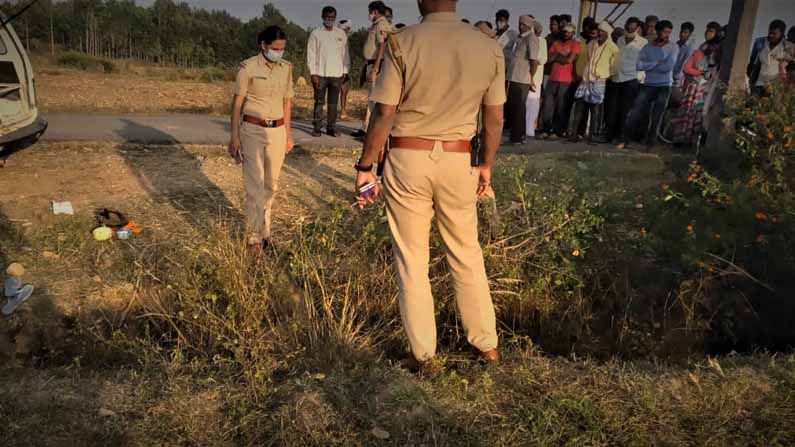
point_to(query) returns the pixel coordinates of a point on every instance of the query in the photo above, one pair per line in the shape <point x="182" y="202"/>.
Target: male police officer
<point x="429" y="172"/>
<point x="373" y="52"/>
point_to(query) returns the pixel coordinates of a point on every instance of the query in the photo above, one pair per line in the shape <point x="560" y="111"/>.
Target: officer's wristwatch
<point x="358" y="166"/>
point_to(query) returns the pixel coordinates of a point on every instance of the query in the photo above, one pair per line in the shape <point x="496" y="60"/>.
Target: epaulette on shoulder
<point x="286" y="63"/>
<point x="245" y="62"/>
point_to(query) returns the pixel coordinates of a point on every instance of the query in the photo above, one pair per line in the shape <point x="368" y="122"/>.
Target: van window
<point x="3" y="49"/>
<point x="8" y="73"/>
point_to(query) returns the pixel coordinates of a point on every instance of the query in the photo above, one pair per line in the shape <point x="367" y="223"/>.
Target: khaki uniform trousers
<point x="370" y="104"/>
<point x="417" y="186"/>
<point x="263" y="152"/>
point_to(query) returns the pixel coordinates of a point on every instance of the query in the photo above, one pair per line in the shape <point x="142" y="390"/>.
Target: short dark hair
<point x="688" y="26"/>
<point x="271" y="33"/>
<point x="554" y="19"/>
<point x="377" y="6"/>
<point x="634" y="20"/>
<point x="663" y="24"/>
<point x="653" y="17"/>
<point x="400" y="26"/>
<point x="565" y="17"/>
<point x="484" y="22"/>
<point x="779" y="25"/>
<point x="503" y="14"/>
<point x="329" y="10"/>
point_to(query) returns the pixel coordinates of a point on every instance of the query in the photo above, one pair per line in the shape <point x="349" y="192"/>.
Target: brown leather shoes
<point x="490" y="356"/>
<point x="426" y="367"/>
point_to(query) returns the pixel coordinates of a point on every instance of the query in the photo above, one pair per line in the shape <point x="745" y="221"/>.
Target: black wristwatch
<point x="361" y="168"/>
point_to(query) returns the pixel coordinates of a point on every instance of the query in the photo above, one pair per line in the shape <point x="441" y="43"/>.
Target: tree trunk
<point x="52" y="31"/>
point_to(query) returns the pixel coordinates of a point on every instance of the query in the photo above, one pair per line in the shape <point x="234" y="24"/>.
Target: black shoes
<point x="359" y="134"/>
<point x="332" y="132"/>
<point x="316" y="133"/>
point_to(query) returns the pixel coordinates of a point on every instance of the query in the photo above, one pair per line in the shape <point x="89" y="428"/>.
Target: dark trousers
<point x="556" y="107"/>
<point x="517" y="106"/>
<point x="654" y="98"/>
<point x="579" y="118"/>
<point x="619" y="98"/>
<point x="327" y="87"/>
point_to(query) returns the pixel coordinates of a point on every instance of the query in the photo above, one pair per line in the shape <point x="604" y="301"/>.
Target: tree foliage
<point x="167" y="32"/>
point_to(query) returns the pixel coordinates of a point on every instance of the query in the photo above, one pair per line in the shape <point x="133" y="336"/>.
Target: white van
<point x="20" y="125"/>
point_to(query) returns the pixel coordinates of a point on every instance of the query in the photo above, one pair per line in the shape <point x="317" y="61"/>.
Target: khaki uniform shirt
<point x="265" y="87"/>
<point x="527" y="49"/>
<point x="377" y="35"/>
<point x="444" y="89"/>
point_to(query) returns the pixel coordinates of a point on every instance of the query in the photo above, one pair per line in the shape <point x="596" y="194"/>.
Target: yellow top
<point x="597" y="61"/>
<point x="451" y="69"/>
<point x="265" y="85"/>
<point x="376" y="36"/>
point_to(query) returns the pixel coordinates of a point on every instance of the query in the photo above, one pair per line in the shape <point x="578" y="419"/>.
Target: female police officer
<point x="261" y="134"/>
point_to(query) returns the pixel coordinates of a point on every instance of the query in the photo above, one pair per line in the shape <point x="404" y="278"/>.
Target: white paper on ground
<point x="63" y="208"/>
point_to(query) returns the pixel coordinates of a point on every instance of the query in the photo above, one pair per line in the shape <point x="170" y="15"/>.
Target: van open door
<point x="20" y="125"/>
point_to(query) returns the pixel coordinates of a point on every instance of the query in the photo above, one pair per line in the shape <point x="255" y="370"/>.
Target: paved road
<point x="205" y="129"/>
<point x="168" y="129"/>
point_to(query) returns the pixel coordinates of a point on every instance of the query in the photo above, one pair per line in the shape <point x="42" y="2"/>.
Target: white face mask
<point x="502" y="25"/>
<point x="274" y="55"/>
<point x="329" y="23"/>
<point x="373" y="17"/>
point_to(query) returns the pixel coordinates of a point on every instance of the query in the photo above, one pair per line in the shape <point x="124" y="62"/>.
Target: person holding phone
<point x="261" y="134"/>
<point x="429" y="168"/>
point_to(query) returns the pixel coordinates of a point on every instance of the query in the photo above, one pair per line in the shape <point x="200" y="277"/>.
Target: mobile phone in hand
<point x="367" y="191"/>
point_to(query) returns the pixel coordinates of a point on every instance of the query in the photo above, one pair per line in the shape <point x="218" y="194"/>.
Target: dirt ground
<point x="144" y="89"/>
<point x="133" y="177"/>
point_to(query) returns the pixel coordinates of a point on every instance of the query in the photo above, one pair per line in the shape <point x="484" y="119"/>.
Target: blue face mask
<point x="274" y="56"/>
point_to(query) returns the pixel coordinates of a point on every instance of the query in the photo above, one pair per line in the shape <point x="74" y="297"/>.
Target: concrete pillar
<point x="719" y="153"/>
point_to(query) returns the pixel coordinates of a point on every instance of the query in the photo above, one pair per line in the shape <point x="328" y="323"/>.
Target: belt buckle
<point x="269" y="123"/>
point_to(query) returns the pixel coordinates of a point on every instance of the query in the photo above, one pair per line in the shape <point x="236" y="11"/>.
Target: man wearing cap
<point x="429" y="171"/>
<point x="562" y="55"/>
<point x="521" y="74"/>
<point x="600" y="56"/>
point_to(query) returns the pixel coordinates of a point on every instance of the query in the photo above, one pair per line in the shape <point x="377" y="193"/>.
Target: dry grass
<point x="175" y="338"/>
<point x="140" y="88"/>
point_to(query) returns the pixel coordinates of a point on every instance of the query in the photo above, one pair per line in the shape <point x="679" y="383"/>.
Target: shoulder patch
<point x="286" y="63"/>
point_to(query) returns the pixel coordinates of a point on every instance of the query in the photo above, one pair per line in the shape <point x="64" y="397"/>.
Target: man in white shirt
<point x="773" y="58"/>
<point x="506" y="37"/>
<point x="329" y="61"/>
<point x="624" y="84"/>
<point x="533" y="104"/>
<point x="521" y="77"/>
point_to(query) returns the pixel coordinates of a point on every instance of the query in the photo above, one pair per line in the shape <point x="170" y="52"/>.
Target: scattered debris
<point x="63" y="208"/>
<point x="380" y="433"/>
<point x="105" y="413"/>
<point x="14" y="290"/>
<point x="102" y="233"/>
<point x="46" y="254"/>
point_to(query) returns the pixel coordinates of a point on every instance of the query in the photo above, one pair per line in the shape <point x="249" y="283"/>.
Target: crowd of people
<point x="607" y="84"/>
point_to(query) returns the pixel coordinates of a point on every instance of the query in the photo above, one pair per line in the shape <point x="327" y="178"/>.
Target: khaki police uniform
<point x="440" y="104"/>
<point x="375" y="37"/>
<point x="265" y="86"/>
